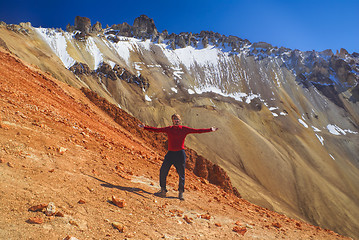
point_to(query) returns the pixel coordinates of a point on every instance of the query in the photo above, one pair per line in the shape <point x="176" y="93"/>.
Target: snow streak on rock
<point x="58" y="43"/>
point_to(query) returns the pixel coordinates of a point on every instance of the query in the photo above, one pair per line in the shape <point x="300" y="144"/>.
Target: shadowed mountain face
<point x="288" y="119"/>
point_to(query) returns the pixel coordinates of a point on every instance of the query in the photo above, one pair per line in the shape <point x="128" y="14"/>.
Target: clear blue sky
<point x="297" y="24"/>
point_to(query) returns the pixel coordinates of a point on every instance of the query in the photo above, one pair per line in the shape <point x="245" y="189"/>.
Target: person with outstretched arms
<point x="176" y="155"/>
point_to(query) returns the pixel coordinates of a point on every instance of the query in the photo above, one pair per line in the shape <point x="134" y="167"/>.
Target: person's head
<point x="176" y="119"/>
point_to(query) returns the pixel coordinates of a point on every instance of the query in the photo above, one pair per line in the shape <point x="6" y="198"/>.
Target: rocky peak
<point x="97" y="27"/>
<point x="144" y="27"/>
<point x="83" y="24"/>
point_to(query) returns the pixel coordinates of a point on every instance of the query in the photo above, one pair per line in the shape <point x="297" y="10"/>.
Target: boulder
<point x="118" y="202"/>
<point x="35" y="220"/>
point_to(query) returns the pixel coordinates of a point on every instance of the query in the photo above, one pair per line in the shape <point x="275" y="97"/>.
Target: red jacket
<point x="177" y="134"/>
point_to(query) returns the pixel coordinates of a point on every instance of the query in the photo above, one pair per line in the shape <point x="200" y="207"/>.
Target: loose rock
<point x="35" y="220"/>
<point x="10" y="164"/>
<point x="205" y="216"/>
<point x="119" y="226"/>
<point x="277" y="225"/>
<point x="187" y="219"/>
<point x="38" y="208"/>
<point x="61" y="150"/>
<point x="70" y="238"/>
<point x="118" y="202"/>
<point x="240" y="230"/>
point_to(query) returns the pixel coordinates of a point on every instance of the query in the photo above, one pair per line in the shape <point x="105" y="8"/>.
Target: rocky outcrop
<point x="144" y="26"/>
<point x="106" y="71"/>
<point x="97" y="28"/>
<point x="209" y="171"/>
<point x="80" y="69"/>
<point x="123" y="29"/>
<point x="327" y="72"/>
<point x="83" y="24"/>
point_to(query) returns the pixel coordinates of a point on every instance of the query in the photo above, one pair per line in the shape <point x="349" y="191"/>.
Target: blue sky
<point x="299" y="24"/>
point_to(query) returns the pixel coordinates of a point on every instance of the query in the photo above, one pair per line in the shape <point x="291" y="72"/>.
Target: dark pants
<point x="177" y="158"/>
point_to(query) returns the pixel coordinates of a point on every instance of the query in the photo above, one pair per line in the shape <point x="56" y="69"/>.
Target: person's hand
<point x="214" y="129"/>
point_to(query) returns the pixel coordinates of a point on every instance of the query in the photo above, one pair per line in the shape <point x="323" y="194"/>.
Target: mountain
<point x="73" y="166"/>
<point x="288" y="119"/>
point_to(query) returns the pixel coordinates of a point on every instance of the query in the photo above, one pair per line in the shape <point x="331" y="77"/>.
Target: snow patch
<point x="147" y="98"/>
<point x="335" y="130"/>
<point x="94" y="51"/>
<point x="321" y="139"/>
<point x="58" y="43"/>
<point x="174" y="89"/>
<point x="190" y="91"/>
<point x="316" y="129"/>
<point x="137" y="66"/>
<point x="112" y="64"/>
<point x="303" y="123"/>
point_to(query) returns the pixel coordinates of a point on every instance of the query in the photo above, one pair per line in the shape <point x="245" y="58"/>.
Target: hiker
<point x="176" y="155"/>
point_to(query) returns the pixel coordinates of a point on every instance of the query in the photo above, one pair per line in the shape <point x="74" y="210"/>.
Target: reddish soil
<point x="99" y="174"/>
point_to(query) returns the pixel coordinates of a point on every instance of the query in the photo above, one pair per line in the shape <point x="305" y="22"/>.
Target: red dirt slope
<point x="68" y="169"/>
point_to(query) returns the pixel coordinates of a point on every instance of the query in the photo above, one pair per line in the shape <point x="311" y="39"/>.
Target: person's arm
<point x="200" y="130"/>
<point x="153" y="129"/>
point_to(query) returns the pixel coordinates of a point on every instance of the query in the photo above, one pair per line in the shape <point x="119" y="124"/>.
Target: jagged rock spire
<point x="83" y="24"/>
<point x="144" y="27"/>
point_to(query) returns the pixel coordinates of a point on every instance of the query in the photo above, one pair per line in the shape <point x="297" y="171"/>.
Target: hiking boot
<point x="161" y="193"/>
<point x="180" y="196"/>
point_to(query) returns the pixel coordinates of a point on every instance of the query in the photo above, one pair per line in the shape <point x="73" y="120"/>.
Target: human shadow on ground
<point x="135" y="190"/>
